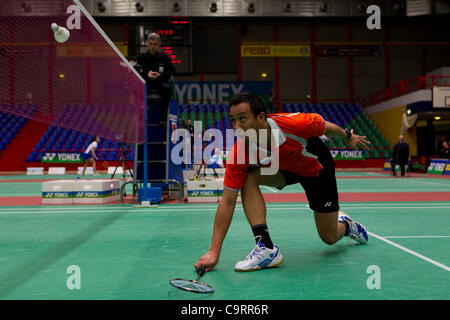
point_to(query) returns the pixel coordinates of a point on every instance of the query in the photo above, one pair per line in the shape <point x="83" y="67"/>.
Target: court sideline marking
<point x="440" y="265"/>
<point x="414" y="237"/>
<point x="270" y="189"/>
<point x="190" y="206"/>
<point x="426" y="182"/>
<point x="158" y="210"/>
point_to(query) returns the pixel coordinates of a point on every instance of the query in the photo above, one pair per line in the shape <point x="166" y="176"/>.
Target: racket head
<point x="191" y="285"/>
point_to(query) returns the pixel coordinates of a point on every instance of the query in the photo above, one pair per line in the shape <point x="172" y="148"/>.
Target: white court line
<point x="414" y="237"/>
<point x="297" y="204"/>
<point x="167" y="209"/>
<point x="375" y="174"/>
<point x="440" y="265"/>
<point x="140" y="210"/>
<point x="214" y="206"/>
<point x="270" y="206"/>
<point x="269" y="188"/>
<point x="62" y="208"/>
<point x="427" y="182"/>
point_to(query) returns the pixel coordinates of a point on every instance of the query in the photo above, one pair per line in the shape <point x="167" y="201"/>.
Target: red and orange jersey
<point x="293" y="130"/>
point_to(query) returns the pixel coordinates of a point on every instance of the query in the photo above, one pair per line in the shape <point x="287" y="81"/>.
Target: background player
<point x="89" y="155"/>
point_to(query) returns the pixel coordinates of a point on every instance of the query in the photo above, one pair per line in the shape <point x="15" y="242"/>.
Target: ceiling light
<point x="139" y="7"/>
<point x="251" y="7"/>
<point x="101" y="7"/>
<point x="213" y="7"/>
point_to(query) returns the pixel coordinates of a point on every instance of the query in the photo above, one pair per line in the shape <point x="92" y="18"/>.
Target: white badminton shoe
<point x="357" y="231"/>
<point x="260" y="257"/>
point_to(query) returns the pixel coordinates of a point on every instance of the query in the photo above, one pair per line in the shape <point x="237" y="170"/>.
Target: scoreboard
<point x="176" y="41"/>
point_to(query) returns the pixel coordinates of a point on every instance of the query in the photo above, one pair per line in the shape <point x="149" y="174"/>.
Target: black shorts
<point x="321" y="191"/>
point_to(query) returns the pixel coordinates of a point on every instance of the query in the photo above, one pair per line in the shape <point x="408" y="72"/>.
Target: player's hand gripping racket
<point x="193" y="285"/>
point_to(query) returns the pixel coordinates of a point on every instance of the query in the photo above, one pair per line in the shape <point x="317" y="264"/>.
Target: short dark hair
<point x="257" y="104"/>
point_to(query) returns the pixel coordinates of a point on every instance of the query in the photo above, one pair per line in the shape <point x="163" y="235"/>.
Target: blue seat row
<point x="68" y="140"/>
<point x="10" y="125"/>
<point x="203" y="108"/>
<point x="340" y="113"/>
<point x="101" y="155"/>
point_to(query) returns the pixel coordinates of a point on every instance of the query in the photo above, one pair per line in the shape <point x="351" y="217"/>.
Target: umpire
<point x="155" y="66"/>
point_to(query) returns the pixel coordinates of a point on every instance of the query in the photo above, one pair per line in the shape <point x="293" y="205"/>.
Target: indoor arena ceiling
<point x="263" y="8"/>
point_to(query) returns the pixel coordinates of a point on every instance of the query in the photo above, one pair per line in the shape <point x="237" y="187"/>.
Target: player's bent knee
<point x="328" y="238"/>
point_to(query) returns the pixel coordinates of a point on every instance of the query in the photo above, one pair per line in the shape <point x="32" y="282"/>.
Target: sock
<point x="261" y="234"/>
<point x="347" y="227"/>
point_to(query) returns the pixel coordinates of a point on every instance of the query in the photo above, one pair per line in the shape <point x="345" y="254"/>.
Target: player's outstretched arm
<point x="222" y="222"/>
<point x="353" y="141"/>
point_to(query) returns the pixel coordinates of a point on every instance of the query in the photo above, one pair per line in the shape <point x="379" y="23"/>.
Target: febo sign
<point x="197" y="92"/>
<point x="256" y="51"/>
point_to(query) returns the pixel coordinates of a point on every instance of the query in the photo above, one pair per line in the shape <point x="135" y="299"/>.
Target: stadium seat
<point x="112" y="156"/>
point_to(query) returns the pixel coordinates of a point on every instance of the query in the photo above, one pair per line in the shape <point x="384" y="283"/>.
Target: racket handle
<point x="201" y="270"/>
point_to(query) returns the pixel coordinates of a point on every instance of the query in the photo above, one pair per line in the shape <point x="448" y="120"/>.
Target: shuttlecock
<point x="61" y="34"/>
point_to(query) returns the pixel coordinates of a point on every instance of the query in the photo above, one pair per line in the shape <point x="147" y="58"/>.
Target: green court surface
<point x="28" y="186"/>
<point x="31" y="185"/>
<point x="383" y="185"/>
<point x="124" y="252"/>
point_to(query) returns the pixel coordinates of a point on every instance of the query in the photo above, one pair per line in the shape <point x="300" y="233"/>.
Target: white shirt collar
<point x="275" y="129"/>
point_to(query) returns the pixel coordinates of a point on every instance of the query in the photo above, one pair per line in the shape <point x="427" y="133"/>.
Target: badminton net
<point x="84" y="84"/>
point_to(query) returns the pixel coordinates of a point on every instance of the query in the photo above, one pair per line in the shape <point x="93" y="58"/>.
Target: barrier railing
<point x="404" y="87"/>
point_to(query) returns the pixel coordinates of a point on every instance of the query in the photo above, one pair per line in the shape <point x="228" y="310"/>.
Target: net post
<point x="145" y="147"/>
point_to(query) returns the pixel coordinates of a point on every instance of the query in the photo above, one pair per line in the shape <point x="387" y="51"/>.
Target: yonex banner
<point x="95" y="194"/>
<point x="197" y="92"/>
<point x="437" y="166"/>
<point x="347" y="154"/>
<point x="61" y="157"/>
<point x="80" y="191"/>
<point x="447" y="169"/>
<point x="271" y="50"/>
<point x="57" y="194"/>
<point x="203" y="191"/>
<point x="80" y="194"/>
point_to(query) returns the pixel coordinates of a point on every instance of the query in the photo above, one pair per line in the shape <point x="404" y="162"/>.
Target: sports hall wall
<point x="408" y="47"/>
<point x="389" y="121"/>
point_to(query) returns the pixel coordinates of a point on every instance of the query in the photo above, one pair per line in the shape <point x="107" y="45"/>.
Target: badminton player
<point x="89" y="155"/>
<point x="303" y="158"/>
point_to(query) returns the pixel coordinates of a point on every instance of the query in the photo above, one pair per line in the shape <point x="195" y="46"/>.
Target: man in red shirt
<point x="296" y="155"/>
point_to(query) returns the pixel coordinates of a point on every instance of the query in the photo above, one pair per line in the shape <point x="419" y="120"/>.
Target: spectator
<point x="400" y="156"/>
<point x="445" y="151"/>
<point x="441" y="143"/>
<point x="29" y="99"/>
<point x="273" y="100"/>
